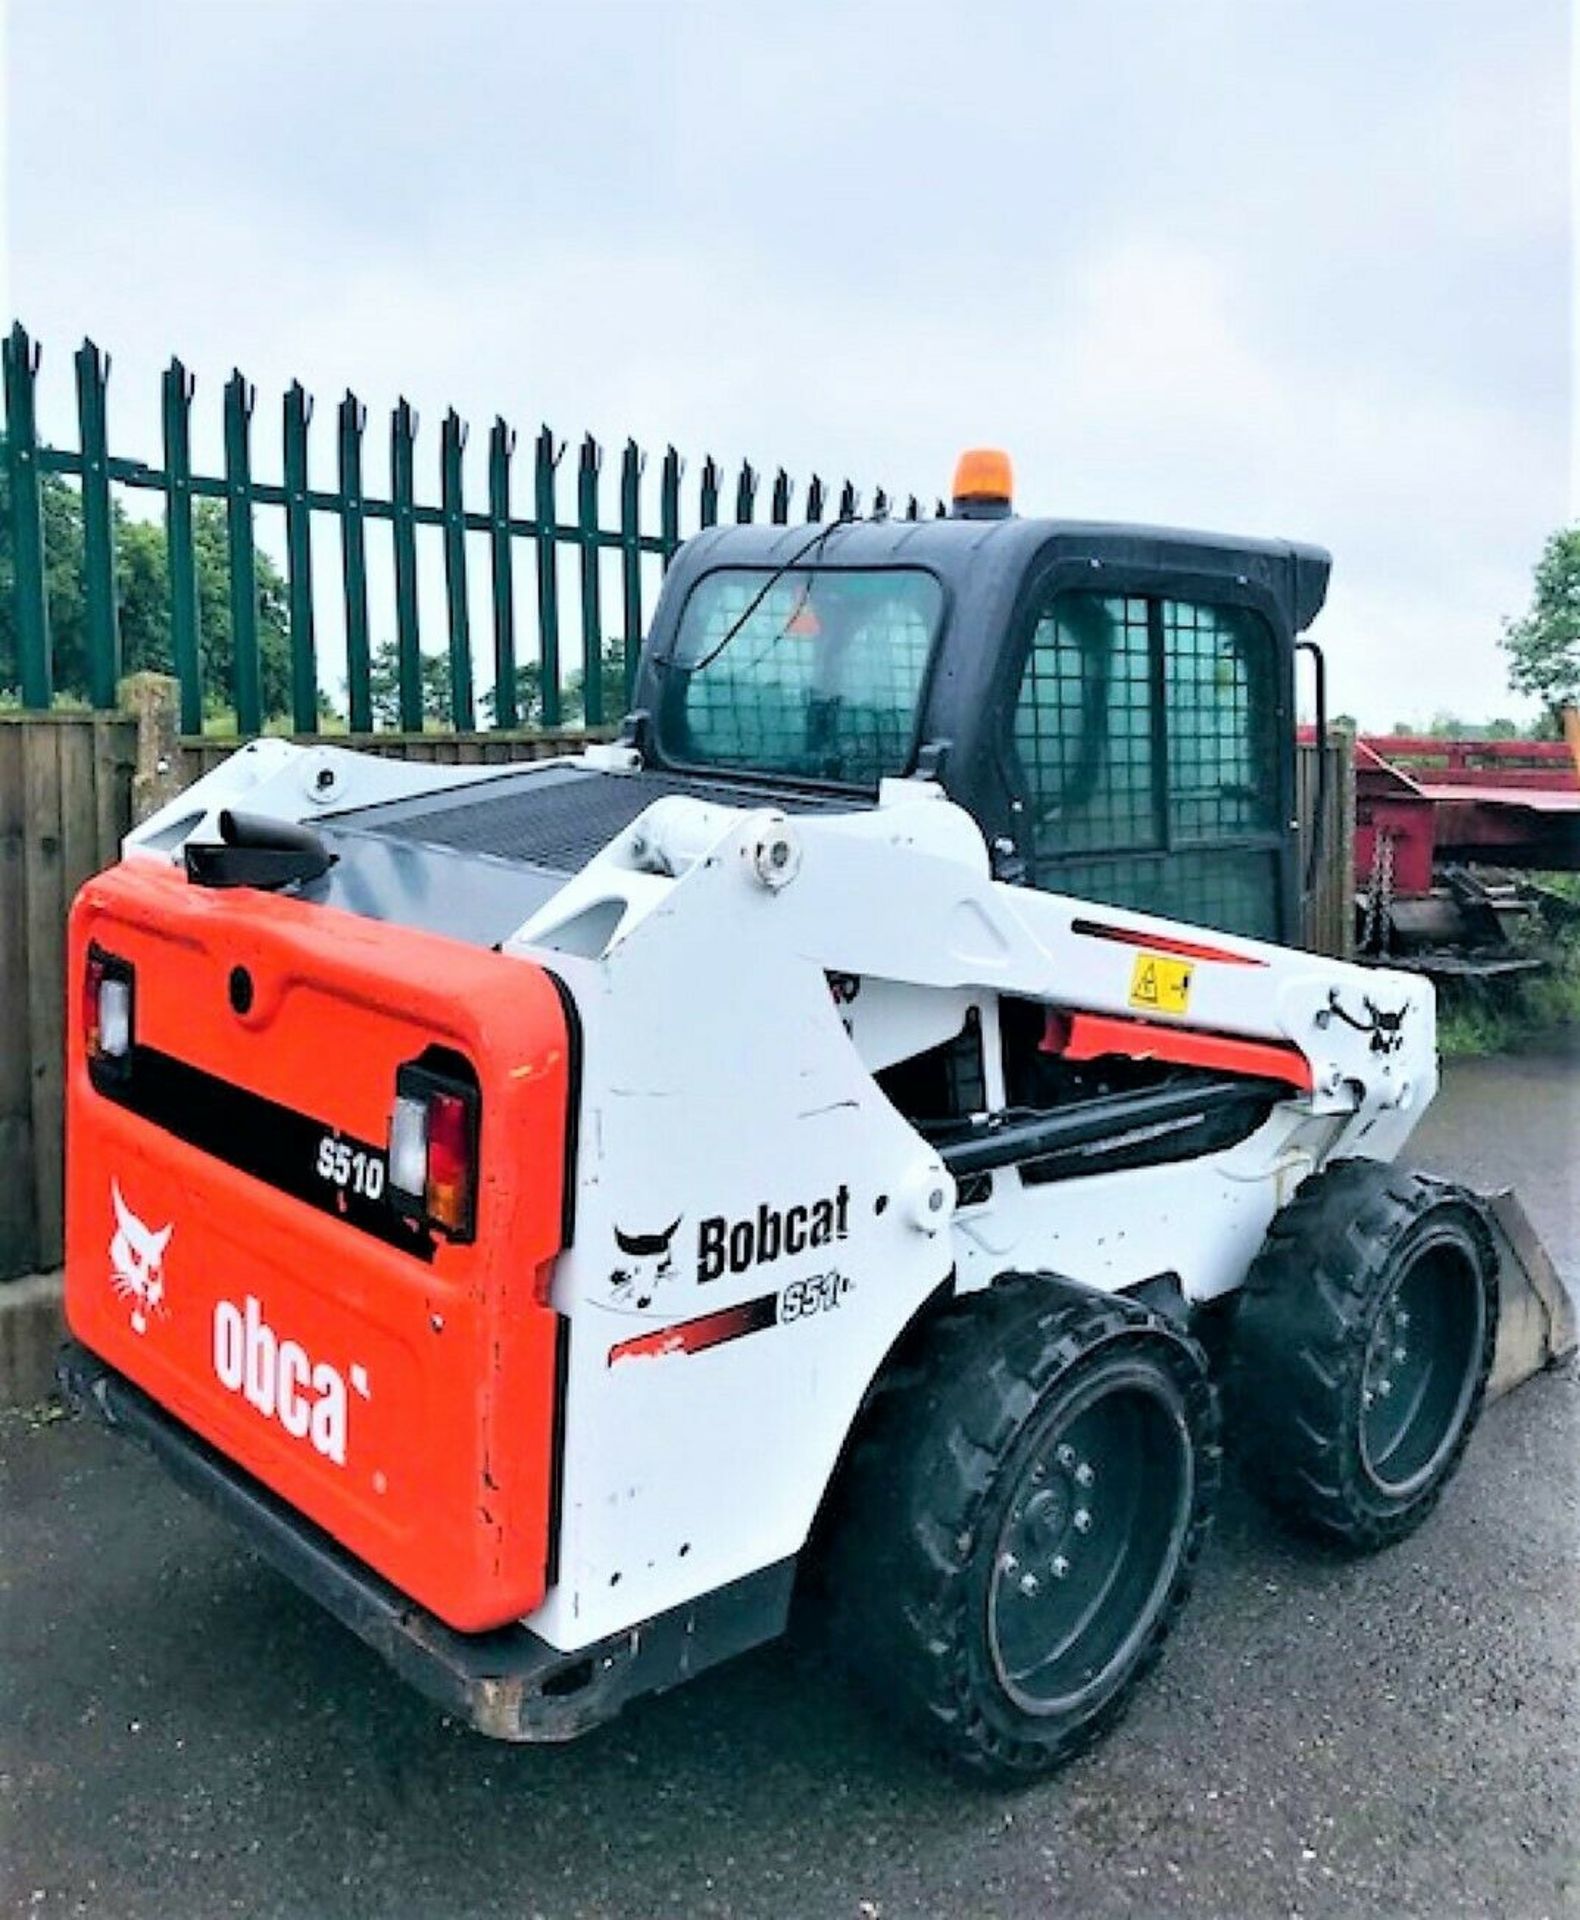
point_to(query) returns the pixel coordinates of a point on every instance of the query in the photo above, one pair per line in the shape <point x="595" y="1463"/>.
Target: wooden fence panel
<point x="18" y="1235"/>
<point x="65" y="802"/>
<point x="46" y="982"/>
<point x="1328" y="917"/>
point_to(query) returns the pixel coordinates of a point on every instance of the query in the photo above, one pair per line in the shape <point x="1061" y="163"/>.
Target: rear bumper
<point x="508" y="1683"/>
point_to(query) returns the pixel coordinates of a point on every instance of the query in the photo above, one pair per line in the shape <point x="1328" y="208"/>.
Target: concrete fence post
<point x="154" y="702"/>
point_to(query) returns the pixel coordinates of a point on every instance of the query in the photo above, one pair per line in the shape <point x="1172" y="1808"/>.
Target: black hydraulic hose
<point x="1093" y="1122"/>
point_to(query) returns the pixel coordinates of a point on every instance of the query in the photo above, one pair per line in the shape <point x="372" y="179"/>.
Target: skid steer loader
<point x="549" y="1208"/>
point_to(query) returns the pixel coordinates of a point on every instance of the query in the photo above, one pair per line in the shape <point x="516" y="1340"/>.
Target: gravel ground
<point x="182" y="1734"/>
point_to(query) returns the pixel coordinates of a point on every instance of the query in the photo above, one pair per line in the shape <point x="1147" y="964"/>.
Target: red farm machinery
<point x="1451" y="840"/>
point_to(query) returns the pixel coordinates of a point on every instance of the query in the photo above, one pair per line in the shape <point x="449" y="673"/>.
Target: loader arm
<point x="900" y="898"/>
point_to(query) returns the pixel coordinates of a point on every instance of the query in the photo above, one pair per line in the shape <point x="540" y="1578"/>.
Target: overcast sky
<point x="1273" y="266"/>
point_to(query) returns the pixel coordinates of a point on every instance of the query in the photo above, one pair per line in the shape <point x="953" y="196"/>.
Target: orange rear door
<point x="232" y="1243"/>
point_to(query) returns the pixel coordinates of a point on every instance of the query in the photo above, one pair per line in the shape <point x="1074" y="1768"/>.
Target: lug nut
<point x="1065" y="1455"/>
<point x="1030" y="1585"/>
<point x="1060" y="1566"/>
<point x="1083" y="1520"/>
<point x="1084" y="1475"/>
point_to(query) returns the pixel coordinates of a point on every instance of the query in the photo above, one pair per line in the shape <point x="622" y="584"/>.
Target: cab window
<point x="815" y="672"/>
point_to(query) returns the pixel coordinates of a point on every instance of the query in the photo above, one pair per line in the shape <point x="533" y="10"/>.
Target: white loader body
<point x="756" y="1223"/>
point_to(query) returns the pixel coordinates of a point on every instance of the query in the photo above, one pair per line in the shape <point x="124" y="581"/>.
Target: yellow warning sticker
<point x="1159" y="984"/>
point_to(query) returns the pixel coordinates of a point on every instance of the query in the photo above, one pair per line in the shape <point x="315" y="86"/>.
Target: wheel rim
<point x="1423" y="1361"/>
<point x="1091" y="1540"/>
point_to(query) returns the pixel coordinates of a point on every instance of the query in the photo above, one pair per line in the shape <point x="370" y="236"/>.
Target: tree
<point x="142" y="586"/>
<point x="1449" y="726"/>
<point x="1445" y="725"/>
<point x="1543" y="645"/>
<point x="142" y="592"/>
<point x="384" y="687"/>
<point x="529" y="691"/>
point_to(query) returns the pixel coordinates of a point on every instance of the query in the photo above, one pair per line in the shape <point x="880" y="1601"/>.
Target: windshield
<point x="814" y="672"/>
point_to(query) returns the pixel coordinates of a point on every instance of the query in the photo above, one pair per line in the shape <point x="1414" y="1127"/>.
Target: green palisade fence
<point x="566" y="555"/>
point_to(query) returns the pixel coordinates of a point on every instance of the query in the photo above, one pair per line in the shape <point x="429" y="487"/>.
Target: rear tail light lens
<point x="107" y="1012"/>
<point x="433" y="1151"/>
<point x="409" y="1147"/>
<point x="449" y="1162"/>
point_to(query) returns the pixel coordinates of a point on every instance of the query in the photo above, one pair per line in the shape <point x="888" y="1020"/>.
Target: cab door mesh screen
<point x="1084" y="726"/>
<point x="1146" y="733"/>
<point x="1223" y="767"/>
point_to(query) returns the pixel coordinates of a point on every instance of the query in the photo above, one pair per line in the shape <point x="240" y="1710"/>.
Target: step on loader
<point x="551" y="1208"/>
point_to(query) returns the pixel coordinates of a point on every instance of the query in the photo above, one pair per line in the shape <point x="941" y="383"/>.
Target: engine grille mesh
<point x="556" y="817"/>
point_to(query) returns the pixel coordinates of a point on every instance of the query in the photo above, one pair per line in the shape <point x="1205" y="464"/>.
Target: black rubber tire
<point x="915" y="1567"/>
<point x="1308" y="1322"/>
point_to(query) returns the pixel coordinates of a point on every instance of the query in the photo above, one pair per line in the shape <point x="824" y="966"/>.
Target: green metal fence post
<point x="669" y="504"/>
<point x="30" y="598"/>
<point x="501" y="445"/>
<point x="816" y="494"/>
<point x="913" y="508"/>
<point x="849" y="501"/>
<point x="880" y="505"/>
<point x="631" y="466"/>
<point x="784" y="487"/>
<point x="299" y="561"/>
<point x="546" y="458"/>
<point x="408" y="635"/>
<point x="746" y="494"/>
<point x="181" y="557"/>
<point x="589" y="465"/>
<point x="708" y="505"/>
<point x="240" y="397"/>
<point x="354" y="565"/>
<point x="452" y="445"/>
<point x="98" y="529"/>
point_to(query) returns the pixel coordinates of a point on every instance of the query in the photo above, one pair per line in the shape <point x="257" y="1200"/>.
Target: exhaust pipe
<point x="1536" y="1317"/>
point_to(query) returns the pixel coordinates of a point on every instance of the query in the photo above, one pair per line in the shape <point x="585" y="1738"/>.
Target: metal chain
<point x="1379" y="895"/>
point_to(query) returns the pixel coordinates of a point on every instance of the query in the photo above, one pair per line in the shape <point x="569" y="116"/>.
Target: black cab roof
<point x="983" y="563"/>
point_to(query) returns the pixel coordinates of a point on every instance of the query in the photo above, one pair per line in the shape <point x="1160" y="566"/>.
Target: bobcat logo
<point x="137" y="1256"/>
<point x="635" y="1285"/>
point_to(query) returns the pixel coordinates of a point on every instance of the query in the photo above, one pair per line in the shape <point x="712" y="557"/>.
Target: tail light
<point x="433" y="1150"/>
<point x="108" y="1007"/>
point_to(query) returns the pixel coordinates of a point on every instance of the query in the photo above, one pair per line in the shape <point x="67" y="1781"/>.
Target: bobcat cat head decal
<point x="137" y="1256"/>
<point x="648" y="1261"/>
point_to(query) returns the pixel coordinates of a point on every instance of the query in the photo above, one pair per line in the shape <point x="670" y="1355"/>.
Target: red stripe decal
<point x="1164" y="943"/>
<point x="1089" y="1036"/>
<point x="694" y="1336"/>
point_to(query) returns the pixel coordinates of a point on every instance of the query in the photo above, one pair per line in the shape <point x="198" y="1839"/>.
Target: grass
<point x="1482" y="1018"/>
